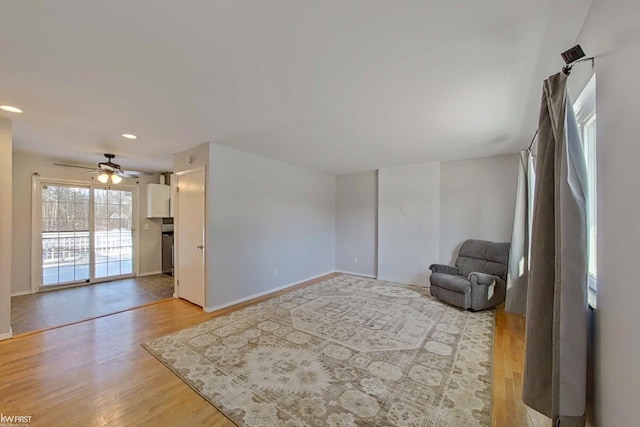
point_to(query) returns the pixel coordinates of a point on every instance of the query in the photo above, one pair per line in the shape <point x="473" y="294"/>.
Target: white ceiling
<point x="342" y="86"/>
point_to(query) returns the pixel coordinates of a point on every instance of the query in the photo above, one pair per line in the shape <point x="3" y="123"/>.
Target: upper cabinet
<point x="158" y="201"/>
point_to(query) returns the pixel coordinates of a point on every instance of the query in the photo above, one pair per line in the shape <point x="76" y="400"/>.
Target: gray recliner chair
<point x="478" y="280"/>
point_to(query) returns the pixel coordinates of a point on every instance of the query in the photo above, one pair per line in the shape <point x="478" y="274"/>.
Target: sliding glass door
<point x="86" y="233"/>
<point x="65" y="234"/>
<point x="113" y="233"/>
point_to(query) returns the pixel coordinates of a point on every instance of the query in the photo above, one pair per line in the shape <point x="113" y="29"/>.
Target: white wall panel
<point x="408" y="222"/>
<point x="6" y="253"/>
<point x="611" y="33"/>
<point x="477" y="201"/>
<point x="357" y="222"/>
<point x="270" y="224"/>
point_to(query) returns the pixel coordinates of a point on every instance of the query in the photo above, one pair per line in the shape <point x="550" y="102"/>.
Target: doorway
<point x="190" y="235"/>
<point x="81" y="233"/>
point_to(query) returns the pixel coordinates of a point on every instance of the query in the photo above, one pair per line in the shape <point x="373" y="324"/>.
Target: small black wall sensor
<point x="573" y="54"/>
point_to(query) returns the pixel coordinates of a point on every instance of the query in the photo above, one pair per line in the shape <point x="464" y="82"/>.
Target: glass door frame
<point x="36" y="231"/>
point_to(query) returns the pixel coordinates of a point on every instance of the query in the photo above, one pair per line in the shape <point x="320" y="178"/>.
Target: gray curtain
<point x="556" y="326"/>
<point x="518" y="273"/>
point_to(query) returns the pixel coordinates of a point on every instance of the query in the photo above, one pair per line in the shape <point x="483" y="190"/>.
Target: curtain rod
<point x="567" y="68"/>
<point x="533" y="140"/>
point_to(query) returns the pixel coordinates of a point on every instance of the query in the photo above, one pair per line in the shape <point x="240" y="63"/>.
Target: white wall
<point x="5" y="228"/>
<point x="477" y="200"/>
<point x="408" y="222"/>
<point x="192" y="158"/>
<point x="24" y="166"/>
<point x="612" y="34"/>
<point x="357" y="223"/>
<point x="265" y="214"/>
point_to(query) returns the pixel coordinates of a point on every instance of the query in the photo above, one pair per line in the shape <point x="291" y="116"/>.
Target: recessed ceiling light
<point x="129" y="136"/>
<point x="10" y="109"/>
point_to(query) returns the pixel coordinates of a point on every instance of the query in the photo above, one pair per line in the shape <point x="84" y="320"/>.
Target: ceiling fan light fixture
<point x="108" y="171"/>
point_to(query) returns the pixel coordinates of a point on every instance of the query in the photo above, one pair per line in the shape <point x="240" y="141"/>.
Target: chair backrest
<point x="483" y="256"/>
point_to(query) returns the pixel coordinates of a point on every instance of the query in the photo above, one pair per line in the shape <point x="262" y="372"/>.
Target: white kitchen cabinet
<point x="158" y="201"/>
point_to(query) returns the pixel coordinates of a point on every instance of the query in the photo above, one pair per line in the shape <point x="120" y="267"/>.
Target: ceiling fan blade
<point x="127" y="174"/>
<point x="73" y="166"/>
<point x="138" y="173"/>
<point x="109" y="168"/>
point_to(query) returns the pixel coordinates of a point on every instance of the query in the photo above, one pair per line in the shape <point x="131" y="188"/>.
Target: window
<point x="585" y="108"/>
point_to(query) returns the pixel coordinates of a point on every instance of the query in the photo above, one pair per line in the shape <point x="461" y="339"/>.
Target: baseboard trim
<point x="353" y="273"/>
<point x="6" y="335"/>
<point x="149" y="273"/>
<point x="17" y="294"/>
<point x="259" y="294"/>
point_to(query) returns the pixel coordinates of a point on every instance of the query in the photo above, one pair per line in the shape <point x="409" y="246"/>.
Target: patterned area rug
<point x="348" y="351"/>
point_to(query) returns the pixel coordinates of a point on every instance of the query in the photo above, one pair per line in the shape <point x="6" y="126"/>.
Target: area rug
<point x="348" y="351"/>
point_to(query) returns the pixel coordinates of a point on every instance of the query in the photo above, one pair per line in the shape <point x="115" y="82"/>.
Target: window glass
<point x="585" y="108"/>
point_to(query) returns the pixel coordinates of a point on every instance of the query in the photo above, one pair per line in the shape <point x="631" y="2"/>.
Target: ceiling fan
<point x="109" y="171"/>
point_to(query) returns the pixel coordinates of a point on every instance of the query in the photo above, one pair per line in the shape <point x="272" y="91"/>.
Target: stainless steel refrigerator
<point x="167" y="246"/>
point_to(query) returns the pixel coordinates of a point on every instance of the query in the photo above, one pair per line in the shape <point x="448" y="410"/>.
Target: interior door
<point x="190" y="235"/>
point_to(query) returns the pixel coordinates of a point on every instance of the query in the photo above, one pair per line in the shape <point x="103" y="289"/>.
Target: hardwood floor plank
<point x="508" y="361"/>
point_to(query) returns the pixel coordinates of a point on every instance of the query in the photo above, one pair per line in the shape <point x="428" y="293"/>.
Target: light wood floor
<point x="508" y="366"/>
<point x="96" y="372"/>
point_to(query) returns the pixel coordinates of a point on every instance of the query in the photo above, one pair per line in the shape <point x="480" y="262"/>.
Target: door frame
<point x="176" y="234"/>
<point x="36" y="230"/>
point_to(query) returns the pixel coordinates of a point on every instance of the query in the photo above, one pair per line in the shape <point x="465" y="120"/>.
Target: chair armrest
<point x="484" y="279"/>
<point x="445" y="269"/>
<point x="487" y="290"/>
